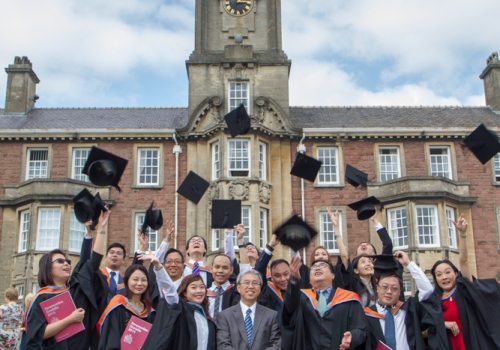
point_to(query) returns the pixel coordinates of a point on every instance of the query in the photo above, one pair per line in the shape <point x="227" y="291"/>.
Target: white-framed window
<point x="496" y="165"/>
<point x="215" y="161"/>
<point x="452" y="233"/>
<point x="246" y="220"/>
<point x="238" y="158"/>
<point x="327" y="239"/>
<point x="329" y="171"/>
<point x="38" y="163"/>
<point x="262" y="227"/>
<point x="238" y="94"/>
<point x="152" y="235"/>
<point x="440" y="161"/>
<point x="49" y="227"/>
<point x="20" y="291"/>
<point x="407" y="288"/>
<point x="389" y="163"/>
<point x="215" y="239"/>
<point x="76" y="232"/>
<point x="262" y="160"/>
<point x="80" y="156"/>
<point x="148" y="168"/>
<point x="35" y="287"/>
<point x="427" y="226"/>
<point x="24" y="230"/>
<point x="398" y="229"/>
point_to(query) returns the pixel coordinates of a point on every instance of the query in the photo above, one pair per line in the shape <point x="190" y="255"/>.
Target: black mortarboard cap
<point x="153" y="219"/>
<point x="295" y="233"/>
<point x="88" y="207"/>
<point x="104" y="168"/>
<point x="226" y="213"/>
<point x="384" y="263"/>
<point x="365" y="207"/>
<point x="238" y="121"/>
<point x="355" y="177"/>
<point x="483" y="143"/>
<point x="305" y="167"/>
<point x="193" y="187"/>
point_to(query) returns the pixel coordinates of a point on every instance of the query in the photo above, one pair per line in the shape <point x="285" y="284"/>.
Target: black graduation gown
<point x="175" y="328"/>
<point x="310" y="331"/>
<point x="84" y="296"/>
<point x="114" y="325"/>
<point x="341" y="280"/>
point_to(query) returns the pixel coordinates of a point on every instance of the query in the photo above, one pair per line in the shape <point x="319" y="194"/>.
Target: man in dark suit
<point x="256" y="328"/>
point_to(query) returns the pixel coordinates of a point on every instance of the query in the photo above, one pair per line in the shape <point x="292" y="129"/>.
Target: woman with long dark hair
<point x="183" y="321"/>
<point x="363" y="280"/>
<point x="135" y="301"/>
<point x="471" y="307"/>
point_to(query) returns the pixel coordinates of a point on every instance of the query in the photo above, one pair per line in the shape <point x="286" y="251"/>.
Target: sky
<point x="131" y="53"/>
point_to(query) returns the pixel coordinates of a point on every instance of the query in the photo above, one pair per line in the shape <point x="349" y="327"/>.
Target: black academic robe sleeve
<point x="387" y="246"/>
<point x="261" y="266"/>
<point x="36" y="324"/>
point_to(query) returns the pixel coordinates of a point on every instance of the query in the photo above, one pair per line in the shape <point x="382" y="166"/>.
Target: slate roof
<point x="393" y="117"/>
<point x="301" y="117"/>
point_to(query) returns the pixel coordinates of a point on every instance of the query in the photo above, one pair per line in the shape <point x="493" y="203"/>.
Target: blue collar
<point x="198" y="308"/>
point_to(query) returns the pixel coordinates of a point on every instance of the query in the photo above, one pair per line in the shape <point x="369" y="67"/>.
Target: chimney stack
<point x="21" y="87"/>
<point x="491" y="79"/>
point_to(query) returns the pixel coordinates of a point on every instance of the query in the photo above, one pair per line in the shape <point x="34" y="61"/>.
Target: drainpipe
<point x="177" y="150"/>
<point x="301" y="148"/>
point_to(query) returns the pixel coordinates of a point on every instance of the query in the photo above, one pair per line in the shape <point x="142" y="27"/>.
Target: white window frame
<point x="80" y="156"/>
<point x="144" y="158"/>
<point x="230" y="148"/>
<point x="20" y="291"/>
<point x="496" y="167"/>
<point x="395" y="226"/>
<point x="55" y="229"/>
<point x="334" y="154"/>
<point x="236" y="90"/>
<point x="42" y="169"/>
<point x="35" y="287"/>
<point x="246" y="220"/>
<point x="263" y="229"/>
<point x="153" y="243"/>
<point x="76" y="233"/>
<point x="433" y="226"/>
<point x="447" y="174"/>
<point x="215" y="161"/>
<point x="384" y="164"/>
<point x="326" y="229"/>
<point x="407" y="288"/>
<point x="24" y="230"/>
<point x="452" y="233"/>
<point x="262" y="160"/>
<point x="215" y="239"/>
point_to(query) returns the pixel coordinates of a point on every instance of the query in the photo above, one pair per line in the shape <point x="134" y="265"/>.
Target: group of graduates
<point x="352" y="304"/>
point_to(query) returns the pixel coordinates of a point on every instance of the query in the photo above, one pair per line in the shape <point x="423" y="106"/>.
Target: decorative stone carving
<point x="239" y="189"/>
<point x="213" y="192"/>
<point x="264" y="193"/>
<point x="239" y="72"/>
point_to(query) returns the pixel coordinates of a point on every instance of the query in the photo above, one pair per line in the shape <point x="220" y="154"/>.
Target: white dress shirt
<point x="116" y="274"/>
<point x="425" y="290"/>
<point x="188" y="270"/>
<point x="201" y="330"/>
<point x="244" y="309"/>
<point x="211" y="300"/>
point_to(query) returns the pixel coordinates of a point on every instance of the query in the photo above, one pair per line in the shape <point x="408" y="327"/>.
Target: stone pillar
<point x="491" y="79"/>
<point x="21" y="87"/>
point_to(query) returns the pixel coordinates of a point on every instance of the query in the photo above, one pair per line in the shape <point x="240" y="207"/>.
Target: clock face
<point x="238" y="7"/>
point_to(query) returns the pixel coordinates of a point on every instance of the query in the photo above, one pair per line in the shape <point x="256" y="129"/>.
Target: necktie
<point x="248" y="326"/>
<point x="390" y="329"/>
<point x="112" y="282"/>
<point x="218" y="291"/>
<point x="196" y="268"/>
<point x="322" y="302"/>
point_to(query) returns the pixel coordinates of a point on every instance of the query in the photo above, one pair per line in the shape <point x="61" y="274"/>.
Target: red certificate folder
<point x="58" y="308"/>
<point x="381" y="346"/>
<point x="135" y="334"/>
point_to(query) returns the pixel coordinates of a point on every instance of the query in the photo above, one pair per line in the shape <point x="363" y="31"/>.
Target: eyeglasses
<point x="115" y="252"/>
<point x="62" y="261"/>
<point x="170" y="262"/>
<point x="319" y="266"/>
<point x="196" y="240"/>
<point x="250" y="283"/>
<point x="385" y="288"/>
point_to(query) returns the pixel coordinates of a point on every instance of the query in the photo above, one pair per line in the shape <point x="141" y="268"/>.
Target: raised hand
<point x="295" y="265"/>
<point x="169" y="230"/>
<point x="143" y="241"/>
<point x="402" y="257"/>
<point x="334" y="217"/>
<point x="103" y="218"/>
<point x="240" y="231"/>
<point x="149" y="256"/>
<point x="274" y="241"/>
<point x="461" y="223"/>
